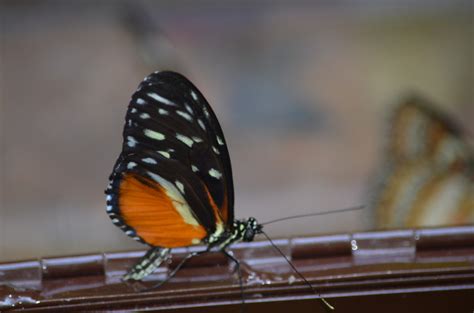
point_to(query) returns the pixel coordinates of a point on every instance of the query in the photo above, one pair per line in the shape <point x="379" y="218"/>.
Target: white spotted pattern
<point x="163" y="112"/>
<point x="201" y="124"/>
<point x="131" y="142"/>
<point x="215" y="173"/>
<point x="206" y="112"/>
<point x="193" y="94"/>
<point x="149" y="160"/>
<point x="194" y="168"/>
<point x="144" y="116"/>
<point x="189" y="109"/>
<point x="215" y="150"/>
<point x="186" y="140"/>
<point x="184" y="115"/>
<point x="220" y="141"/>
<point x="140" y="101"/>
<point x="197" y="139"/>
<point x="159" y="98"/>
<point x="180" y="186"/>
<point x="131" y="165"/>
<point x="165" y="154"/>
<point x="153" y="134"/>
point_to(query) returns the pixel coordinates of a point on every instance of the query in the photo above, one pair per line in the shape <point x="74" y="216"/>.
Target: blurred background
<point x="301" y="88"/>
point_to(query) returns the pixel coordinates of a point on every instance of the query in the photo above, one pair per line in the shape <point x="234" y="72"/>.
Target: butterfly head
<point x="251" y="228"/>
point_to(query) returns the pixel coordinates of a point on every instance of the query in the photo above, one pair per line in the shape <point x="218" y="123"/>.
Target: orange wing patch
<point x="151" y="212"/>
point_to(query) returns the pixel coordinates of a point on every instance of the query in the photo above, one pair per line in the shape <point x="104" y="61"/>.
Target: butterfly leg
<point x="148" y="263"/>
<point x="239" y="271"/>
<point x="178" y="267"/>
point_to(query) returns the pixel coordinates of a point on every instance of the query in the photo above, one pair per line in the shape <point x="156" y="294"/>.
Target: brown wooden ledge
<point x="422" y="270"/>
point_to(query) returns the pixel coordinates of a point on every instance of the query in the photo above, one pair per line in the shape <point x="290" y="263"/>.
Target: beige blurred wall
<point x="301" y="91"/>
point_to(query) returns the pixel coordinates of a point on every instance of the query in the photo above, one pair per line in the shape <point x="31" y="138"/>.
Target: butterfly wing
<point x="420" y="131"/>
<point x="429" y="179"/>
<point x="172" y="183"/>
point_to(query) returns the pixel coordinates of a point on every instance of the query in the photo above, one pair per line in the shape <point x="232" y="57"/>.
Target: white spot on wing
<point x="180" y="186"/>
<point x="131" y="165"/>
<point x="206" y="112"/>
<point x="159" y="98"/>
<point x="149" y="160"/>
<point x="144" y="116"/>
<point x="197" y="139"/>
<point x="201" y="124"/>
<point x="131" y="142"/>
<point x="165" y="154"/>
<point x="195" y="241"/>
<point x="193" y="94"/>
<point x="215" y="173"/>
<point x="184" y="115"/>
<point x="140" y="101"/>
<point x="109" y="208"/>
<point x="215" y="150"/>
<point x="194" y="168"/>
<point x="186" y="140"/>
<point x="163" y="112"/>
<point x="133" y="110"/>
<point x="189" y="109"/>
<point x="220" y="141"/>
<point x="153" y="134"/>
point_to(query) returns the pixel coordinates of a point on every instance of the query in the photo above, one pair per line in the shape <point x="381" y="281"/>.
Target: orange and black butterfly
<point x="428" y="173"/>
<point x="172" y="183"/>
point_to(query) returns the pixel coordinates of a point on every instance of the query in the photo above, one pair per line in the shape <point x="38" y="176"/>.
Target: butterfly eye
<point x="249" y="234"/>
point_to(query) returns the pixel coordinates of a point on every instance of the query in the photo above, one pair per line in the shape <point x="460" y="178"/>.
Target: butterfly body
<point x="171" y="185"/>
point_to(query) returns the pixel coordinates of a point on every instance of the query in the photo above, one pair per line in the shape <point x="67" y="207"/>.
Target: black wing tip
<point x="167" y="74"/>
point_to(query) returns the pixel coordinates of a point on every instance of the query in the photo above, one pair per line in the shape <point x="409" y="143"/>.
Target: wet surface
<point x="339" y="266"/>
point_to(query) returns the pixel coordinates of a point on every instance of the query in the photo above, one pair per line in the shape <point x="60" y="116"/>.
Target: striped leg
<point x="148" y="263"/>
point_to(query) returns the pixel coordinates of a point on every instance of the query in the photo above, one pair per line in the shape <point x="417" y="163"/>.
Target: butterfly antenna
<point x="355" y="208"/>
<point x="324" y="302"/>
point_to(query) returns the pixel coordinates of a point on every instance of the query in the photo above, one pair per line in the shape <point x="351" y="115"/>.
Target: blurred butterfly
<point x="428" y="178"/>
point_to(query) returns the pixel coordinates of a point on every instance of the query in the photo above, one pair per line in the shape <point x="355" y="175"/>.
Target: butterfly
<point x="428" y="173"/>
<point x="171" y="185"/>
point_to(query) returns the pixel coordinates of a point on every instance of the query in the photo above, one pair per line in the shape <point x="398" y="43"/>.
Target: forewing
<point x="174" y="146"/>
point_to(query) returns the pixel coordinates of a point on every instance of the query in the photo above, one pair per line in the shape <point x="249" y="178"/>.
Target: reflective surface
<point x="412" y="262"/>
